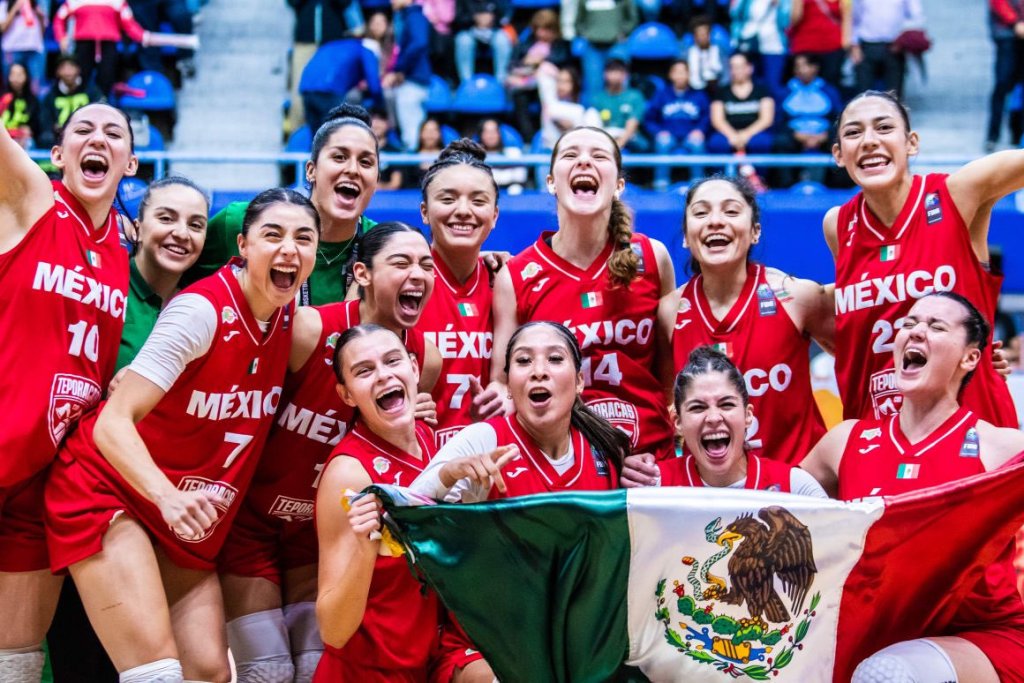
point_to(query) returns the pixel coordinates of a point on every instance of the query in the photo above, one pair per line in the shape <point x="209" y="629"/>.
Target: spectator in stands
<point x="706" y="61"/>
<point x="543" y="43"/>
<point x="822" y="28"/>
<point x="335" y="69"/>
<point x="150" y="14"/>
<point x="98" y="26"/>
<point x="509" y="178"/>
<point x="809" y="111"/>
<point x="759" y="30"/>
<point x="390" y="177"/>
<point x="70" y="92"/>
<point x="742" y="114"/>
<point x="1006" y="25"/>
<point x="380" y="40"/>
<point x="560" y="108"/>
<point x="22" y="23"/>
<point x="317" y="22"/>
<point x="621" y="108"/>
<point x="441" y="15"/>
<point x="678" y="119"/>
<point x="20" y="107"/>
<point x="408" y="84"/>
<point x="876" y="25"/>
<point x="482" y="21"/>
<point x="602" y="23"/>
<point x="428" y="141"/>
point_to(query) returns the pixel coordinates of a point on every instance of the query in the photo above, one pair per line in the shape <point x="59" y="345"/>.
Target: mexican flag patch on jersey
<point x="467" y="310"/>
<point x="591" y="299"/>
<point x="889" y="252"/>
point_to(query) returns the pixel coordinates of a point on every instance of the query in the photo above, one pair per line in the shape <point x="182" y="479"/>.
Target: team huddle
<point x="185" y="428"/>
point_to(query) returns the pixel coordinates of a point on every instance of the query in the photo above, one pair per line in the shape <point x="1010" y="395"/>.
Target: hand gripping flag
<point x="701" y="584"/>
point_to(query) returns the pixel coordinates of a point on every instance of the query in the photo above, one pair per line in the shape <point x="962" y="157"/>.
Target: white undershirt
<point x="801" y="483"/>
<point x="475" y="439"/>
<point x="183" y="332"/>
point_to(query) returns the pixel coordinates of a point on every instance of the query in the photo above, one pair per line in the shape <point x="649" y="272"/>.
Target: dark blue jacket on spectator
<point x="339" y="66"/>
<point x="412" y="33"/>
<point x="679" y="113"/>
<point x="465" y="9"/>
<point x="319" y="21"/>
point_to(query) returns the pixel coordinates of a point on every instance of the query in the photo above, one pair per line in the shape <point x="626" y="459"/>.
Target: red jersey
<point x="63" y="291"/>
<point x="311" y="421"/>
<point x="879" y="460"/>
<point x="616" y="328"/>
<point x="762" y="474"/>
<point x="209" y="428"/>
<point x="458" y="320"/>
<point x="880" y="272"/>
<point x="531" y="471"/>
<point x="400" y="628"/>
<point x="763" y="342"/>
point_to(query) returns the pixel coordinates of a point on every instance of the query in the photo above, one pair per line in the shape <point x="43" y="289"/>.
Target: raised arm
<point x="830" y="227"/>
<point x="505" y="322"/>
<point x="983" y="182"/>
<point x="810" y="305"/>
<point x="306" y="331"/>
<point x="347" y="555"/>
<point x="25" y="192"/>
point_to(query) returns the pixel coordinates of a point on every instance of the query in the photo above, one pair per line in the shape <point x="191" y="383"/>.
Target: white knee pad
<point x="160" y="671"/>
<point x="304" y="633"/>
<point x="24" y="665"/>
<point x="912" y="661"/>
<point x="259" y="644"/>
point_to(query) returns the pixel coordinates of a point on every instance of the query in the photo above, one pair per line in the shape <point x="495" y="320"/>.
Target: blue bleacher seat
<point x="653" y="41"/>
<point x="156" y="141"/>
<point x="536" y="146"/>
<point x="159" y="93"/>
<point x="439" y="96"/>
<point x="130" y="191"/>
<point x="300" y="141"/>
<point x="650" y="85"/>
<point x="449" y="135"/>
<point x="807" y="188"/>
<point x="535" y="4"/>
<point x="482" y="94"/>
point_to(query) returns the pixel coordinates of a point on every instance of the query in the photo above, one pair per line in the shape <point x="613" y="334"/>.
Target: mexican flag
<point x="703" y="584"/>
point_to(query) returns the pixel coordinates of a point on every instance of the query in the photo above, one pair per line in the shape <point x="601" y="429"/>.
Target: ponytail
<point x="624" y="263"/>
<point x="607" y="440"/>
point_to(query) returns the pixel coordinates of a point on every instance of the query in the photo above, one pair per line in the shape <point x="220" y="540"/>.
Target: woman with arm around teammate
<point x="63" y="270"/>
<point x="902" y="237"/>
<point x="460" y="204"/>
<point x="268" y="566"/>
<point x="143" y="494"/>
<point x="713" y="416"/>
<point x="603" y="281"/>
<point x="934" y="439"/>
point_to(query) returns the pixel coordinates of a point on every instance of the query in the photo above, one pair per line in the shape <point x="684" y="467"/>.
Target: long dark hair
<point x="624" y="263"/>
<point x="370" y="243"/>
<point x="610" y="442"/>
<point x="742" y="186"/>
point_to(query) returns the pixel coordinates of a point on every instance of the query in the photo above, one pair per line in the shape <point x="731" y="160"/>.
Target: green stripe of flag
<point x="561" y="638"/>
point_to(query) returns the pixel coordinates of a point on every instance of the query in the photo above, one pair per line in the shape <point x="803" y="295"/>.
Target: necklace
<point x="343" y="250"/>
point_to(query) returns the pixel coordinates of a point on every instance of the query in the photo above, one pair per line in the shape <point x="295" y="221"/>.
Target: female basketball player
<point x="268" y="564"/>
<point x="604" y="281"/>
<point x="460" y="204"/>
<point x="142" y="496"/>
<point x="342" y="174"/>
<point x="904" y="236"/>
<point x="934" y="439"/>
<point x="552" y="441"/>
<point x="713" y="415"/>
<point x="62" y="271"/>
<point x="760" y="318"/>
<point x="378" y="624"/>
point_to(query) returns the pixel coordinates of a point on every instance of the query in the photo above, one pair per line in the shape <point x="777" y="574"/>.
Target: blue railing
<point x="728" y="163"/>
